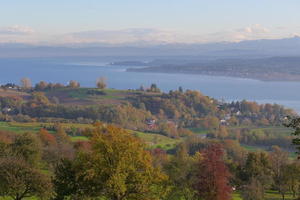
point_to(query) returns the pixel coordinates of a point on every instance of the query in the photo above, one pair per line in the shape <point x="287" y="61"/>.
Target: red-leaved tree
<point x="213" y="178"/>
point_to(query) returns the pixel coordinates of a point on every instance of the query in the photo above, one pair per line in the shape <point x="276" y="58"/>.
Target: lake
<point x="87" y="70"/>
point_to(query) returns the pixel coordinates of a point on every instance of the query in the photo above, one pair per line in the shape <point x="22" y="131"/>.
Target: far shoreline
<point x="145" y="70"/>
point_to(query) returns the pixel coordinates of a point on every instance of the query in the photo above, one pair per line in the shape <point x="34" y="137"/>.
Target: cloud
<point x="254" y="29"/>
<point x="155" y="36"/>
<point x="142" y="36"/>
<point x="145" y="36"/>
<point x="16" y="30"/>
<point x="252" y="32"/>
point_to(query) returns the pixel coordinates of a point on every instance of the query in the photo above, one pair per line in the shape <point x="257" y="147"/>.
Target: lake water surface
<point x="86" y="71"/>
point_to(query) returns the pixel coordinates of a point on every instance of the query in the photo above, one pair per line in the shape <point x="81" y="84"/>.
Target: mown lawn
<point x="236" y="196"/>
<point x="28" y="198"/>
<point x="20" y="127"/>
<point x="252" y="148"/>
<point x="84" y="94"/>
<point x="34" y="127"/>
<point x="158" y="141"/>
<point x="273" y="195"/>
<point x="199" y="131"/>
<point x="270" y="195"/>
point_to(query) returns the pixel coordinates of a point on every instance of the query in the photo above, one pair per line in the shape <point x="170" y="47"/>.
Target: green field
<point x="20" y="127"/>
<point x="156" y="140"/>
<point x="34" y="127"/>
<point x="90" y="96"/>
<point x="253" y="148"/>
<point x="236" y="196"/>
<point x="273" y="195"/>
<point x="270" y="195"/>
<point x="8" y="198"/>
<point x="83" y="93"/>
<point x="199" y="131"/>
<point x="153" y="140"/>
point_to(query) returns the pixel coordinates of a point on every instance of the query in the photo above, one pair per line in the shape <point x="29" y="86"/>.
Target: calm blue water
<point x="86" y="71"/>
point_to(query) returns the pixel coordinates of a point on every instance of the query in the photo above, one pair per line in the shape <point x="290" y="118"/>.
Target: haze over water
<point x="86" y="71"/>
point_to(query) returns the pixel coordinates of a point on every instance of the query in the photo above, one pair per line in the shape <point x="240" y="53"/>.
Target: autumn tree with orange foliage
<point x="47" y="138"/>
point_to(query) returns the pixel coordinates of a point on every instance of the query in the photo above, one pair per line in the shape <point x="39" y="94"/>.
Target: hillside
<point x="60" y="124"/>
<point x="176" y="114"/>
<point x="265" y="69"/>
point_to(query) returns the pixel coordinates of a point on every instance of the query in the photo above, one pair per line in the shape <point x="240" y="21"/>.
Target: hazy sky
<point x="206" y="19"/>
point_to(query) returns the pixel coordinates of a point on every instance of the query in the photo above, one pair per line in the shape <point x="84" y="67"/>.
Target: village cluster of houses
<point x="227" y="117"/>
<point x="10" y="86"/>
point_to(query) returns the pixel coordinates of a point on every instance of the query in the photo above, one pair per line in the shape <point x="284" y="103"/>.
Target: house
<point x="172" y="123"/>
<point x="151" y="123"/>
<point x="6" y="110"/>
<point x="224" y="122"/>
<point x="227" y="117"/>
<point x="238" y="113"/>
<point x="10" y="86"/>
<point x="202" y="136"/>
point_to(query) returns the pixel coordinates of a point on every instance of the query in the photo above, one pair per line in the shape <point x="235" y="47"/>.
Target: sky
<point x="119" y="21"/>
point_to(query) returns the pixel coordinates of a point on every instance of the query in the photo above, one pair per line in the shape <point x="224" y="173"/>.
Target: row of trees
<point x="253" y="173"/>
<point x="26" y="84"/>
<point x="113" y="164"/>
<point x="255" y="137"/>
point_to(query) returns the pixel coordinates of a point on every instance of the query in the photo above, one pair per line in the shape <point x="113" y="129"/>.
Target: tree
<point x="27" y="147"/>
<point x="154" y="88"/>
<point x="160" y="156"/>
<point x="279" y="160"/>
<point x="213" y="175"/>
<point x="42" y="85"/>
<point x="46" y="138"/>
<point x="257" y="167"/>
<point x="39" y="99"/>
<point x="117" y="167"/>
<point x="292" y="171"/>
<point x="61" y="135"/>
<point x="6" y="139"/>
<point x="180" y="89"/>
<point x="283" y="181"/>
<point x="142" y="88"/>
<point x="126" y="167"/>
<point x="294" y="123"/>
<point x="222" y="132"/>
<point x="253" y="190"/>
<point x="26" y="83"/>
<point x="65" y="182"/>
<point x="181" y="171"/>
<point x="101" y="83"/>
<point x="18" y="180"/>
<point x="74" y="84"/>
